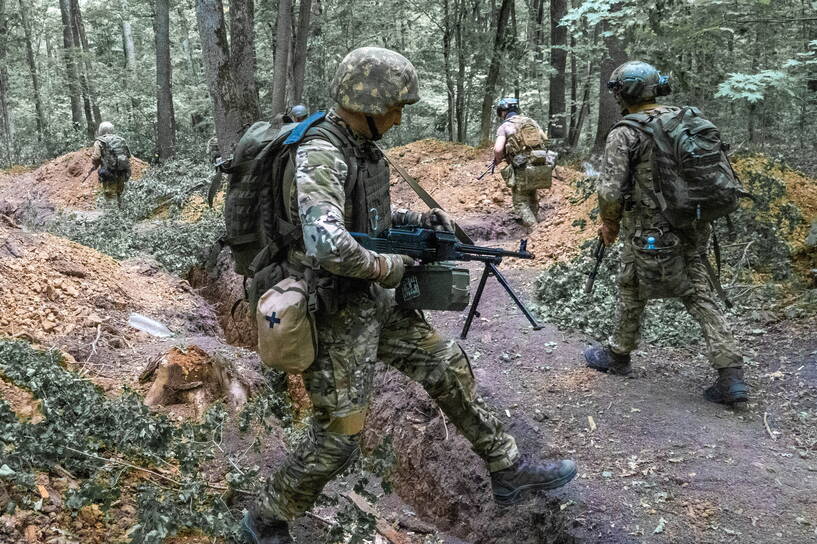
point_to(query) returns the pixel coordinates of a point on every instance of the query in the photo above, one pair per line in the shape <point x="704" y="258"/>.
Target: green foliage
<point x="135" y="230"/>
<point x="753" y="87"/>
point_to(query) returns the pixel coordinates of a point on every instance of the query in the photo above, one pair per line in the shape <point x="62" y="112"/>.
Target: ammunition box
<point x="438" y="286"/>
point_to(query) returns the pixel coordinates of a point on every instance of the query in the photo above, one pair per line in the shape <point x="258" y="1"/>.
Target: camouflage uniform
<point x="113" y="183"/>
<point x="524" y="198"/>
<point x="366" y="327"/>
<point x="626" y="145"/>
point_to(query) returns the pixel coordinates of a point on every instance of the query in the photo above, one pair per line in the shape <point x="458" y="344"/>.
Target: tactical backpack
<point x="528" y="136"/>
<point x="256" y="207"/>
<point x="115" y="153"/>
<point x="692" y="177"/>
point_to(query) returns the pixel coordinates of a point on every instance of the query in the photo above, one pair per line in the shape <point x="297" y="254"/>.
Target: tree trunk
<point x="130" y="50"/>
<point x="216" y="56"/>
<point x="242" y="58"/>
<point x="584" y="110"/>
<point x="86" y="57"/>
<point x="5" y="120"/>
<point x="32" y="67"/>
<point x="283" y="37"/>
<point x="299" y="60"/>
<point x="85" y="88"/>
<point x="500" y="46"/>
<point x="461" y="61"/>
<point x="609" y="111"/>
<point x="449" y="78"/>
<point x="574" y="84"/>
<point x="165" y="119"/>
<point x="72" y="75"/>
<point x="558" y="61"/>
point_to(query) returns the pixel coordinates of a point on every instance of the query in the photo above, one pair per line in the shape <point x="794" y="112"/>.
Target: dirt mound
<point x="448" y="171"/>
<point x="60" y="181"/>
<point x="51" y="288"/>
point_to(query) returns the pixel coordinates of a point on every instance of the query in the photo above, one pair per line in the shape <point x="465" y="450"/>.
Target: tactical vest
<point x="368" y="205"/>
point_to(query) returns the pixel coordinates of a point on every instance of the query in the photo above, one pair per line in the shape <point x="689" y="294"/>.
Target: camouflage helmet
<point x="371" y="80"/>
<point x="105" y="127"/>
<point x="636" y="81"/>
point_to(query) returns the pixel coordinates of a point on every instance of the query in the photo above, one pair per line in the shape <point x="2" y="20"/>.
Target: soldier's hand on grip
<point x="392" y="268"/>
<point x="438" y="219"/>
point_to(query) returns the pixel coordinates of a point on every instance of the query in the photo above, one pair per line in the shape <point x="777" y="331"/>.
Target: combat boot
<point x="607" y="360"/>
<point x="729" y="389"/>
<point x="259" y="530"/>
<point x="509" y="484"/>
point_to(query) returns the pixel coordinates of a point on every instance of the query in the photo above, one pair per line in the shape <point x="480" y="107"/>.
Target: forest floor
<point x="657" y="463"/>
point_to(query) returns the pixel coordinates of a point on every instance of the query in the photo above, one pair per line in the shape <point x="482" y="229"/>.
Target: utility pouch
<point x="286" y="331"/>
<point x="661" y="271"/>
<point x="434" y="287"/>
<point x="507" y="174"/>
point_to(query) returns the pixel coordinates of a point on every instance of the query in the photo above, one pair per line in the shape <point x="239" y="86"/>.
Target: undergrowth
<point x="152" y="219"/>
<point x="120" y="452"/>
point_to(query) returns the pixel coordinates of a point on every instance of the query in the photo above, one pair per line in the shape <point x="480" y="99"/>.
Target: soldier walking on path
<point x="659" y="260"/>
<point x="112" y="157"/>
<point x="363" y="324"/>
<point x="520" y="142"/>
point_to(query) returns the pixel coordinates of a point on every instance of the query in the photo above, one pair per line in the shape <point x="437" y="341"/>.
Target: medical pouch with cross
<point x="286" y="331"/>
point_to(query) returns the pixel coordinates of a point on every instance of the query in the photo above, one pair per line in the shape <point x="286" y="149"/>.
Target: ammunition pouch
<point x="661" y="272"/>
<point x="530" y="170"/>
<point x="434" y="287"/>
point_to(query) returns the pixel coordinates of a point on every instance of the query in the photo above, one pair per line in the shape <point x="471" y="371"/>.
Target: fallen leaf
<point x="660" y="527"/>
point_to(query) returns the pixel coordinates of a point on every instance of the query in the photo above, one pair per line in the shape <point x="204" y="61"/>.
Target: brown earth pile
<point x="448" y="171"/>
<point x="51" y="287"/>
<point x="59" y="181"/>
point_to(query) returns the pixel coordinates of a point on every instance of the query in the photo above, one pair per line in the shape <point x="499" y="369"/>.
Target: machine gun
<point x="429" y="246"/>
<point x="490" y="169"/>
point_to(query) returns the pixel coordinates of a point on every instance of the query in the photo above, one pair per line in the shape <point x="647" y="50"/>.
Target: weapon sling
<point x="490" y="268"/>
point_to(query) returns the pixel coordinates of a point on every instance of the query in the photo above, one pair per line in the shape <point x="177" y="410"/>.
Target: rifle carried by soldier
<point x="598" y="254"/>
<point x="91" y="171"/>
<point x="490" y="169"/>
<point x="435" y="284"/>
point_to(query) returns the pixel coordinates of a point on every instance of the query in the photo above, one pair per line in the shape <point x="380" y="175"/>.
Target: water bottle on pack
<point x="650" y="243"/>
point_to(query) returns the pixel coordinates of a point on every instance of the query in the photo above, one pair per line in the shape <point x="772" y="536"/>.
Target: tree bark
<point x="283" y="37"/>
<point x="609" y="110"/>
<point x="242" y="58"/>
<point x="5" y="119"/>
<point x="558" y="61"/>
<point x="500" y="46"/>
<point x="186" y="46"/>
<point x="72" y="74"/>
<point x="85" y="88"/>
<point x="42" y="126"/>
<point x="300" y="49"/>
<point x="86" y="57"/>
<point x="165" y="118"/>
<point x="216" y="57"/>
<point x="449" y="78"/>
<point x="129" y="49"/>
<point x="461" y="61"/>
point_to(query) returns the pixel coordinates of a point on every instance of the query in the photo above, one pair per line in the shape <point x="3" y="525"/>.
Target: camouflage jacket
<point x="320" y="205"/>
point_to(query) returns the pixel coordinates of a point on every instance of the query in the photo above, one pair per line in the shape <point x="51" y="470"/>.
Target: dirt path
<point x="654" y="449"/>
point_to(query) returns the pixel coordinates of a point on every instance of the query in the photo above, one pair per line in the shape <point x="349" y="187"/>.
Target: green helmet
<point x="105" y="127"/>
<point x="636" y="81"/>
<point x="371" y="80"/>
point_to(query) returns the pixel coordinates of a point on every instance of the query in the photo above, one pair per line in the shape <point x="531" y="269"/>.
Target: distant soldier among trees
<point x="659" y="259"/>
<point x="520" y="142"/>
<point x="112" y="157"/>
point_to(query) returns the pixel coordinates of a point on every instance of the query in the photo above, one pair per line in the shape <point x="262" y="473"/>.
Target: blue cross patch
<point x="272" y="320"/>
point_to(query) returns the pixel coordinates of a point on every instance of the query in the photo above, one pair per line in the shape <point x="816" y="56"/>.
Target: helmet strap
<point x="373" y="128"/>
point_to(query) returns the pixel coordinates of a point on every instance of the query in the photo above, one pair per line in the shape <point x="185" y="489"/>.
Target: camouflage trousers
<point x="369" y="328"/>
<point x="526" y="204"/>
<point x="700" y="303"/>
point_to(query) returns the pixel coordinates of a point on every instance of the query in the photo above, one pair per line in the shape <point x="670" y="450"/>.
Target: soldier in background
<point x="111" y="156"/>
<point x="627" y="202"/>
<point x="298" y="113"/>
<point x="370" y="89"/>
<point x="520" y="142"/>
